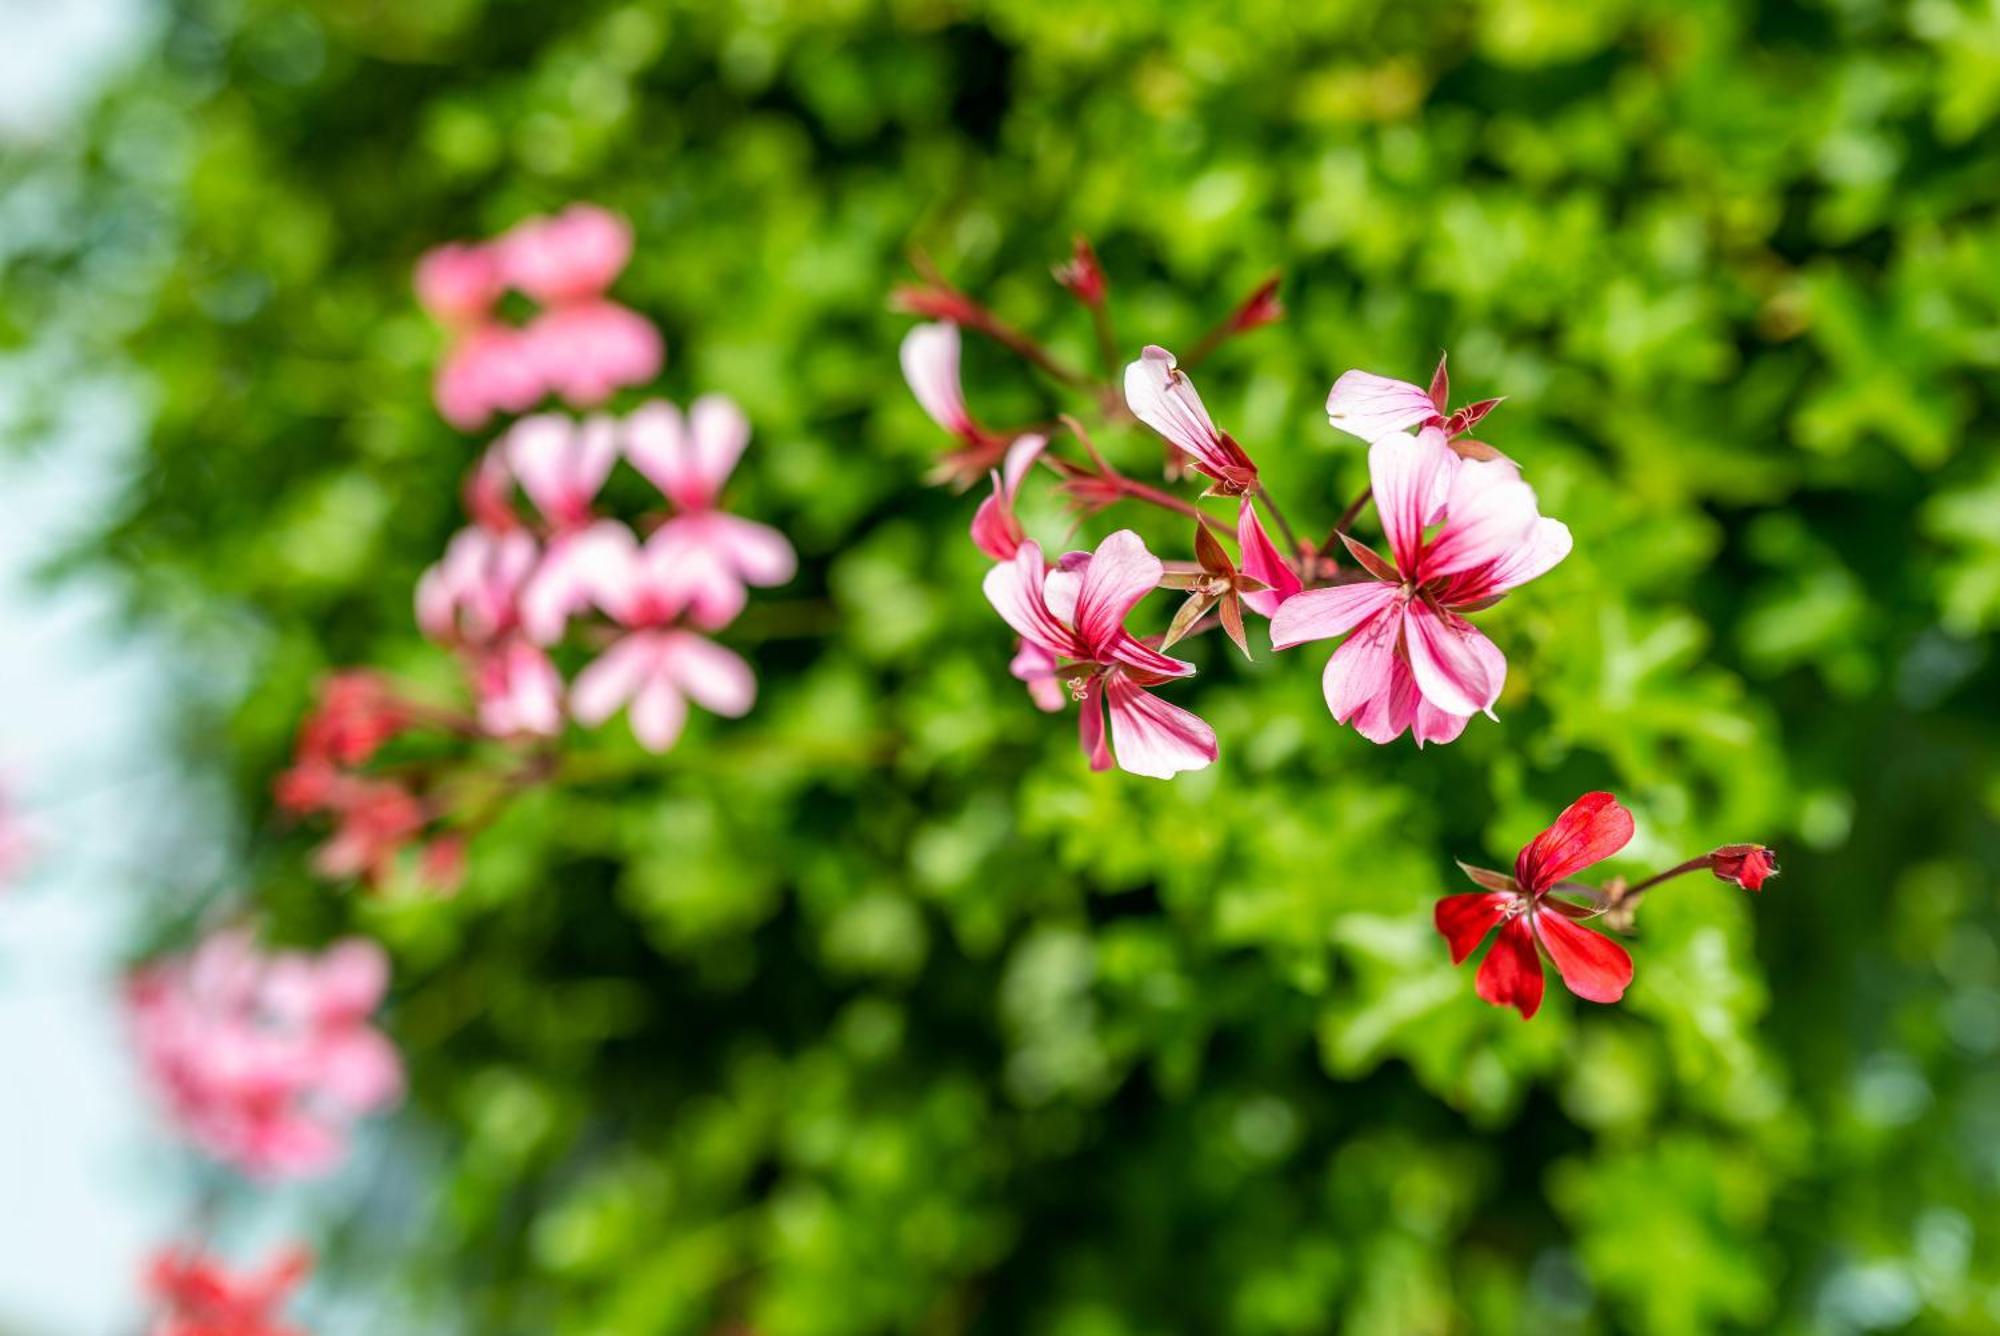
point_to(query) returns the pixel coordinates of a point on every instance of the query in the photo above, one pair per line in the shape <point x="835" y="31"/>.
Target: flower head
<point x="1411" y="661"/>
<point x="1081" y="274"/>
<point x="568" y="257"/>
<point x="584" y="351"/>
<point x="1374" y="407"/>
<point x="1533" y="922"/>
<point x="265" y="1060"/>
<point x="458" y="283"/>
<point x="562" y="463"/>
<point x="1077" y="612"/>
<point x="1161" y="396"/>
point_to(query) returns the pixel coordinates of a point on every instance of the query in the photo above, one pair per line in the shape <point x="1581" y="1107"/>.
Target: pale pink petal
<point x="1262" y="561"/>
<point x="1489" y="515"/>
<point x="1547" y="543"/>
<point x="359" y="1070"/>
<point x="583" y="353"/>
<point x="1120" y="573"/>
<point x="1015" y="591"/>
<point x="1064" y="584"/>
<point x="1161" y="396"/>
<point x="1133" y="654"/>
<point x="658" y="713"/>
<point x="1450" y="671"/>
<point x="1021" y="457"/>
<point x="1433" y="725"/>
<point x="1411" y="479"/>
<point x="350" y="978"/>
<point x="1151" y="737"/>
<point x="613" y="678"/>
<point x="1366" y="685"/>
<point x="585" y="566"/>
<point x="717" y="679"/>
<point x="1090" y="726"/>
<point x="1321" y="614"/>
<point x="457" y="283"/>
<point x="718" y="433"/>
<point x="544" y="453"/>
<point x="656" y="444"/>
<point x="930" y="355"/>
<point x="1037" y="668"/>
<point x="1373" y="407"/>
<point x="994" y="529"/>
<point x="759" y="553"/>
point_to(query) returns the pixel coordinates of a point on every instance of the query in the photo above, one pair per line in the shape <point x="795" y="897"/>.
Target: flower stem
<point x="1349" y="515"/>
<point x="1627" y="898"/>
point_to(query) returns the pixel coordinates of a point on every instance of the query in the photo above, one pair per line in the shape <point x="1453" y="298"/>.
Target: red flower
<point x="1082" y="274"/>
<point x="1747" y="865"/>
<point x="1533" y="923"/>
<point x="202" y="1299"/>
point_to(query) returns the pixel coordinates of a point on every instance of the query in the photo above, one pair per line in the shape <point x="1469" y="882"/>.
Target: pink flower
<point x="562" y="463"/>
<point x="519" y="690"/>
<point x="1533" y="922"/>
<point x="569" y="577"/>
<point x="201" y="1298"/>
<point x="1412" y="661"/>
<point x="1077" y="612"/>
<point x="358" y="711"/>
<point x="702" y="558"/>
<point x="1161" y="396"/>
<point x="584" y="351"/>
<point x="488" y="369"/>
<point x="1745" y="865"/>
<point x="570" y="257"/>
<point x="459" y="284"/>
<point x="473" y="593"/>
<point x="1262" y="562"/>
<point x="995" y="531"/>
<point x="1038" y="670"/>
<point x="265" y="1061"/>
<point x="374" y="821"/>
<point x="1374" y="407"/>
<point x="657" y="671"/>
<point x="930" y="356"/>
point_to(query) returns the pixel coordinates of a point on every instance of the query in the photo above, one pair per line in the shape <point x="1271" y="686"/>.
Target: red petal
<point x="1464" y="920"/>
<point x="1511" y="974"/>
<point x="1590" y="830"/>
<point x="1596" y="968"/>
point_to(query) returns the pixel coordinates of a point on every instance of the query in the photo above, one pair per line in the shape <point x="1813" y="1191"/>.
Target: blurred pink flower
<point x="489" y="368"/>
<point x="519" y="690"/>
<point x="1077" y="612"/>
<point x="1160" y="395"/>
<point x="586" y="350"/>
<point x="1532" y="922"/>
<point x="459" y="283"/>
<point x="566" y="580"/>
<point x="265" y="1061"/>
<point x="561" y="463"/>
<point x="656" y="672"/>
<point x="1411" y="660"/>
<point x="568" y="257"/>
<point x="201" y="1298"/>
<point x="472" y="595"/>
<point x="701" y="559"/>
<point x="995" y="531"/>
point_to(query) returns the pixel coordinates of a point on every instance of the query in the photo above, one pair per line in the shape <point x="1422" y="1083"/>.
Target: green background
<point x="876" y="1011"/>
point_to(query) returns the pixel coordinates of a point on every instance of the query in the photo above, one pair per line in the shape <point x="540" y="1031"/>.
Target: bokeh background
<point x="876" y="1011"/>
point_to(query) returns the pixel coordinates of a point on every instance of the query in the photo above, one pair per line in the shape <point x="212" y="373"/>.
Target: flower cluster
<point x="198" y="1296"/>
<point x="1462" y="527"/>
<point x="1540" y="909"/>
<point x="265" y="1060"/>
<point x="513" y="585"/>
<point x="579" y="346"/>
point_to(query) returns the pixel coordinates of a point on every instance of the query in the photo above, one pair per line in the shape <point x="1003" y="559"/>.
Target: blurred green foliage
<point x="877" y="1012"/>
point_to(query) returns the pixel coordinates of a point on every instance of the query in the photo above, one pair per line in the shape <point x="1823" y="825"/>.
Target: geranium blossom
<point x="200" y="1297"/>
<point x="265" y="1061"/>
<point x="656" y="667"/>
<point x="1533" y="922"/>
<point x="702" y="558"/>
<point x="1411" y="661"/>
<point x="1160" y="395"/>
<point x="1077" y="613"/>
<point x="497" y="598"/>
<point x="1745" y="865"/>
<point x="1374" y="407"/>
